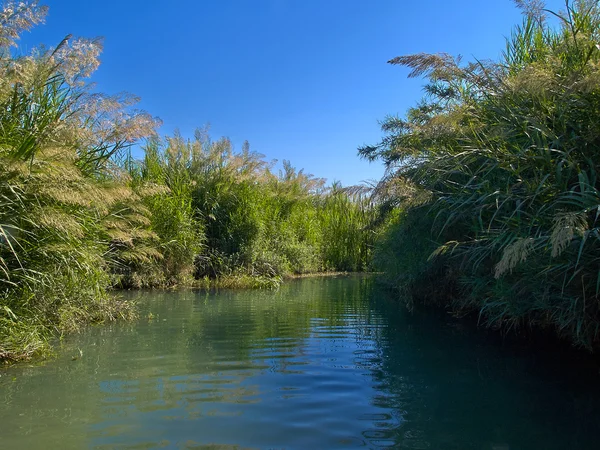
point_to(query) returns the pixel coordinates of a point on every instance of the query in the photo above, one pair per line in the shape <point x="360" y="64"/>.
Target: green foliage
<point x="58" y="188"/>
<point x="233" y="216"/>
<point x="172" y="237"/>
<point x="79" y="216"/>
<point x="503" y="158"/>
<point x="346" y="216"/>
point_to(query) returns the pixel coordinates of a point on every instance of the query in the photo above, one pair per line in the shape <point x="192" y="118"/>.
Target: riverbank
<point x="493" y="180"/>
<point x="30" y="340"/>
<point x="80" y="215"/>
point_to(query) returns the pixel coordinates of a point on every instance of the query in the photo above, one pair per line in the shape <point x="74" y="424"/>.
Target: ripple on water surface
<point x="322" y="363"/>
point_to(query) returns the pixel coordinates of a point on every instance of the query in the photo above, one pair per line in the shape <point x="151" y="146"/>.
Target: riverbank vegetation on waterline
<point x="79" y="216"/>
<point x="222" y="213"/>
<point x="492" y="179"/>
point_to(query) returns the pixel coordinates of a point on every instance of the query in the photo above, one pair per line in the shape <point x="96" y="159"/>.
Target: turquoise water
<point x="322" y="363"/>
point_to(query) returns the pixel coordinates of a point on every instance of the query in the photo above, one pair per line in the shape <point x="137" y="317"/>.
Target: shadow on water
<point x="459" y="387"/>
<point x="321" y="363"/>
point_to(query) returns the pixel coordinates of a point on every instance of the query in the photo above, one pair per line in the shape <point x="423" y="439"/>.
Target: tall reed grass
<point x="495" y="178"/>
<point x="79" y="216"/>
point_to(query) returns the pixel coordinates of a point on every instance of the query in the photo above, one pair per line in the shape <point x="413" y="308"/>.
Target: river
<point x="322" y="363"/>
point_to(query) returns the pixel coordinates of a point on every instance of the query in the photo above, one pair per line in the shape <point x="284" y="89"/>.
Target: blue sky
<point x="304" y="80"/>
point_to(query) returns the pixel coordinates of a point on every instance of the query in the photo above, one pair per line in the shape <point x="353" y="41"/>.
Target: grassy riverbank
<point x="80" y="217"/>
<point x="489" y="206"/>
<point x="492" y="180"/>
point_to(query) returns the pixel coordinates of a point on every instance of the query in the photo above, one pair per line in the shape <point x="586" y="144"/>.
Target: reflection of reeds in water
<point x="319" y="363"/>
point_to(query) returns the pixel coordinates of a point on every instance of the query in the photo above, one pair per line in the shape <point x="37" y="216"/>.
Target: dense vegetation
<point x="79" y="216"/>
<point x="220" y="214"/>
<point x="490" y="202"/>
<point x="492" y="179"/>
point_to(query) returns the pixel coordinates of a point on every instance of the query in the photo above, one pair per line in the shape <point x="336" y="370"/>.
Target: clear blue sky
<point x="304" y="80"/>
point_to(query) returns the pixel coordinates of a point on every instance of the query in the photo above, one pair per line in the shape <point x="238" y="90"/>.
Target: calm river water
<point x="323" y="363"/>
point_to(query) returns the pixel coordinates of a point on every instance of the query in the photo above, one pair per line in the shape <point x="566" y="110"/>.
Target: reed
<point x="499" y="166"/>
<point x="79" y="216"/>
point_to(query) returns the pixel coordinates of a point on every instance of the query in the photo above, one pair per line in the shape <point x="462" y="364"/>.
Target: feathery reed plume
<point x="500" y="159"/>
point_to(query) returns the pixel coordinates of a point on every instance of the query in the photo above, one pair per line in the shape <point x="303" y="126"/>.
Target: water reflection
<point x="455" y="387"/>
<point x="322" y="363"/>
